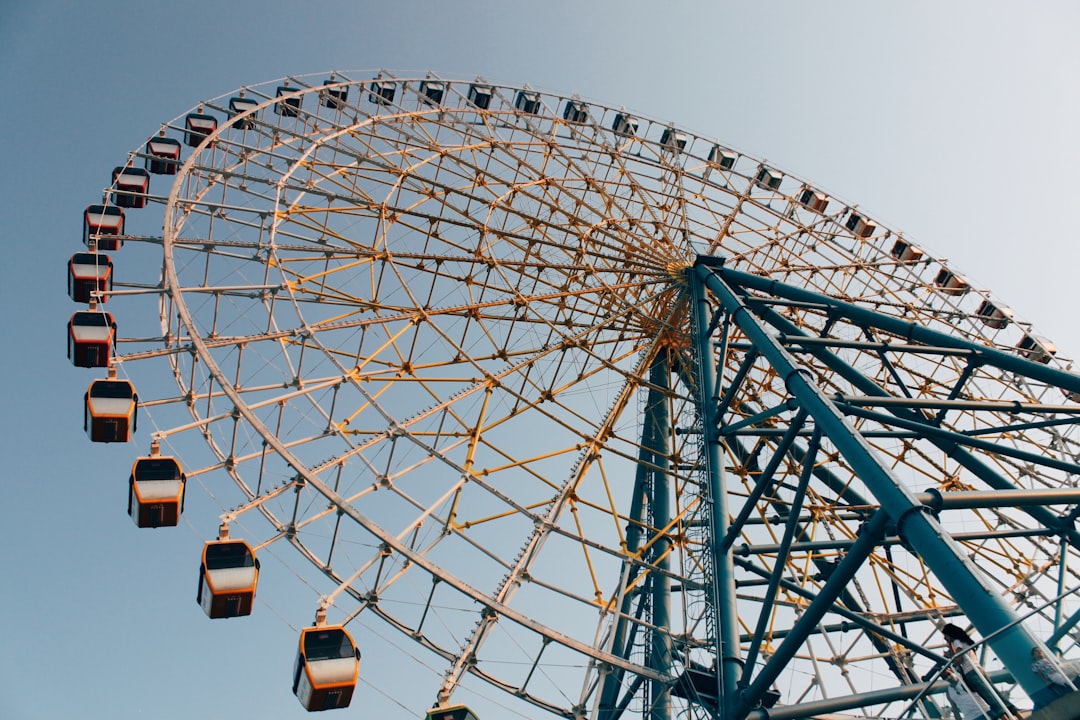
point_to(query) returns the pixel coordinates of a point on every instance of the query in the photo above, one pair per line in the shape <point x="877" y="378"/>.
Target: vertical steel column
<point x="728" y="661"/>
<point x="657" y="431"/>
<point x="984" y="607"/>
<point x="621" y="643"/>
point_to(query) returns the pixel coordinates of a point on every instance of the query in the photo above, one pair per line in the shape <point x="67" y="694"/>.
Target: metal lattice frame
<point x="447" y="339"/>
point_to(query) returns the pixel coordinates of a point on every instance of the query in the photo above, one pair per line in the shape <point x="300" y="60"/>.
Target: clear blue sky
<point x="954" y="122"/>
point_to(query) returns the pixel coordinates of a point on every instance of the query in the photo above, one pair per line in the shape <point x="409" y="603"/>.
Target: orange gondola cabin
<point x="451" y="712"/>
<point x="156" y="492"/>
<point x="326" y="669"/>
<point x="238" y="106"/>
<point x="163" y="155"/>
<point x="131" y="184"/>
<point x="227" y="579"/>
<point x="197" y="127"/>
<point x="89" y="273"/>
<point x="91" y="338"/>
<point x="103" y="224"/>
<point x="110" y="410"/>
<point x="334" y="96"/>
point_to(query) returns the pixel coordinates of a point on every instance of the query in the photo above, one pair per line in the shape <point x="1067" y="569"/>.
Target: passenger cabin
<point x="949" y="283"/>
<point x="163" y="156"/>
<point x="813" y="200"/>
<point x="575" y="112"/>
<point x="239" y="105"/>
<point x="624" y="125"/>
<point x="199" y="126"/>
<point x="673" y="140"/>
<point x="103" y="225"/>
<point x="767" y="178"/>
<point x="860" y="225"/>
<point x="480" y="96"/>
<point x="89" y="277"/>
<point x="156" y="491"/>
<point x="333" y="96"/>
<point x="111" y="410"/>
<point x="130" y="185"/>
<point x="288" y="104"/>
<point x="227" y="579"/>
<point x="382" y="92"/>
<point x="327" y="666"/>
<point x="91" y="338"/>
<point x="1037" y="348"/>
<point x="527" y="102"/>
<point x="432" y="91"/>
<point x="451" y="712"/>
<point x="993" y="315"/>
<point x="721" y="158"/>
<point x="905" y="252"/>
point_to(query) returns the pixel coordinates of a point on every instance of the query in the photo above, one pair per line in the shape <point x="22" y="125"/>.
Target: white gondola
<point x="103" y="225"/>
<point x="198" y="126"/>
<point x="163" y="155"/>
<point x="288" y="104"/>
<point x="949" y="283"/>
<point x="382" y="92"/>
<point x="575" y="112"/>
<point x="91" y="338"/>
<point x="1037" y="348"/>
<point x="156" y="491"/>
<point x="228" y="577"/>
<point x="89" y="277"/>
<point x="527" y="102"/>
<point x="326" y="669"/>
<point x="131" y="184"/>
<point x="905" y="252"/>
<point x="239" y="105"/>
<point x="767" y="178"/>
<point x="624" y="125"/>
<point x="813" y="200"/>
<point x="432" y="91"/>
<point x="993" y="315"/>
<point x="860" y="225"/>
<point x="673" y="140"/>
<point x="721" y="158"/>
<point x="480" y="96"/>
<point x="332" y="95"/>
<point x="110" y="411"/>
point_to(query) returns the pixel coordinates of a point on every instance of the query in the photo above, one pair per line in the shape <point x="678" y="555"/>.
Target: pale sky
<point x="953" y="122"/>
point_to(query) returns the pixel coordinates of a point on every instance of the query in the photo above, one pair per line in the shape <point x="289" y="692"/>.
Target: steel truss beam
<point x="726" y="299"/>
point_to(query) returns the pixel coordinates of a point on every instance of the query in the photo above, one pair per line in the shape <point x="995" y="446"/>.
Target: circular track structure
<point x="605" y="418"/>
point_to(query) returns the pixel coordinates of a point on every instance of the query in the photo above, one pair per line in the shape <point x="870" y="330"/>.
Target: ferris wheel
<point x="594" y="416"/>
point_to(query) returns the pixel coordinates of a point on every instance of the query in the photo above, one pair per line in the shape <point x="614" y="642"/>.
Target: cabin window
<point x="151" y="470"/>
<point x="327" y="645"/>
<point x="116" y="390"/>
<point x="221" y="556"/>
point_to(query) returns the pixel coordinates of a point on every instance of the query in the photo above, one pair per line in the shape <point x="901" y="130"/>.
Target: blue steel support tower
<point x="727" y="302"/>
